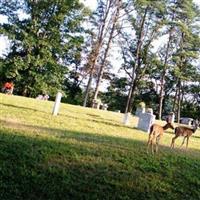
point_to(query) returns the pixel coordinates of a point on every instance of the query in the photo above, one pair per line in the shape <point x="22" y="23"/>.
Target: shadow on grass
<point x="75" y="165"/>
<point x="90" y="137"/>
<point x="99" y="120"/>
<point x="105" y="122"/>
<point x="195" y="136"/>
<point x="21" y="107"/>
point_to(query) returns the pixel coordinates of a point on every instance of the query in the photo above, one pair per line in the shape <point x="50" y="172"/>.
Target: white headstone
<point x="104" y="107"/>
<point x="149" y="110"/>
<point x="126" y="118"/>
<point x="96" y="103"/>
<point x="186" y="120"/>
<point x="57" y="103"/>
<point x="139" y="111"/>
<point x="171" y="118"/>
<point x="145" y="121"/>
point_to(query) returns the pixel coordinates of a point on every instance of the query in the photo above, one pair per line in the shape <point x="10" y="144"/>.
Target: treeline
<point x="63" y="46"/>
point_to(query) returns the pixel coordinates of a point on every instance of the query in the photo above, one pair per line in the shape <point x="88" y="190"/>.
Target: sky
<point x="92" y="3"/>
<point x="4" y="44"/>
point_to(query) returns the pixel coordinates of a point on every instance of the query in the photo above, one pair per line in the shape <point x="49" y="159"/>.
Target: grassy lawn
<point x="85" y="153"/>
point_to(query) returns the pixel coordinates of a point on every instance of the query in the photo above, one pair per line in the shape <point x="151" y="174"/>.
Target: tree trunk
<point x="162" y="81"/>
<point x="100" y="74"/>
<point x="179" y="79"/>
<point x="179" y="102"/>
<point x="96" y="49"/>
<point x="87" y="90"/>
<point x="175" y="101"/>
<point x="136" y="65"/>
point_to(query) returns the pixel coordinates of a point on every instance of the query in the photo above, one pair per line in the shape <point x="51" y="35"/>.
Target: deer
<point x="156" y="132"/>
<point x="186" y="132"/>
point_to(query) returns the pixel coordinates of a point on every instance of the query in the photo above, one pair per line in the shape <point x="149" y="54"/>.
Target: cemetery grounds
<point x="85" y="153"/>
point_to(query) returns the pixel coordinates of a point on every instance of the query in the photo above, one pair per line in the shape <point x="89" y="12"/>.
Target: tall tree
<point x="171" y="12"/>
<point x="41" y="43"/>
<point x="188" y="48"/>
<point x="117" y="4"/>
<point x="146" y="29"/>
<point x="100" y="20"/>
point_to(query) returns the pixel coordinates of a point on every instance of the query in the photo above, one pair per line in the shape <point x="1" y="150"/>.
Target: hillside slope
<point x="85" y="153"/>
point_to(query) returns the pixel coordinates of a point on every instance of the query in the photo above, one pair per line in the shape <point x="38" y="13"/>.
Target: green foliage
<point x="116" y="97"/>
<point x="42" y="43"/>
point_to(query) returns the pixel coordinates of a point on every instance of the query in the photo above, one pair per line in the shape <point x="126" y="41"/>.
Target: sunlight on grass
<point x="35" y="116"/>
<point x="85" y="153"/>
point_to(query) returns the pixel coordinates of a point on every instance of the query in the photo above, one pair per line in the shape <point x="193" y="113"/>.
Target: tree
<point x="177" y="11"/>
<point x="42" y="44"/>
<point x="146" y="28"/>
<point x="104" y="20"/>
<point x="117" y="4"/>
<point x="116" y="94"/>
<point x="188" y="47"/>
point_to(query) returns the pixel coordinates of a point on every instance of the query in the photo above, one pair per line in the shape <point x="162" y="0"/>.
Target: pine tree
<point x="188" y="47"/>
<point x="146" y="21"/>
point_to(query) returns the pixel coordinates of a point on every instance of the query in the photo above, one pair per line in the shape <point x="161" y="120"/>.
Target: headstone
<point x="96" y="103"/>
<point x="145" y="121"/>
<point x="40" y="97"/>
<point x="186" y="120"/>
<point x="149" y="110"/>
<point x="139" y="111"/>
<point x="126" y="118"/>
<point x="57" y="103"/>
<point x="170" y="117"/>
<point x="46" y="97"/>
<point x="104" y="107"/>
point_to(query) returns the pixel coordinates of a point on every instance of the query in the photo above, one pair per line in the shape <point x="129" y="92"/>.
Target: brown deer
<point x="185" y="132"/>
<point x="156" y="132"/>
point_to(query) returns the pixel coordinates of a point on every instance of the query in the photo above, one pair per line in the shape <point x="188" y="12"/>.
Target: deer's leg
<point x="157" y="143"/>
<point x="149" y="141"/>
<point x="152" y="144"/>
<point x="173" y="140"/>
<point x="187" y="142"/>
<point x="183" y="141"/>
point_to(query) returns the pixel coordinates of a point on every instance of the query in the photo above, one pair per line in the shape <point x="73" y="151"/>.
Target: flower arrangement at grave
<point x="141" y="105"/>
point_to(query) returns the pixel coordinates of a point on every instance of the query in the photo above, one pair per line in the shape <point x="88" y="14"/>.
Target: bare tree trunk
<point x="87" y="90"/>
<point x="175" y="101"/>
<point x="179" y="87"/>
<point x="96" y="49"/>
<point x="162" y="81"/>
<point x="179" y="102"/>
<point x="139" y="44"/>
<point x="100" y="75"/>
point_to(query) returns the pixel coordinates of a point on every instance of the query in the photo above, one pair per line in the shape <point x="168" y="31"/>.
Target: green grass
<point x="85" y="153"/>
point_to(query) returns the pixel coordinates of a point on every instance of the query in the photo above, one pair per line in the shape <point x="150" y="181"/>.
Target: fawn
<point x="156" y="132"/>
<point x="185" y="132"/>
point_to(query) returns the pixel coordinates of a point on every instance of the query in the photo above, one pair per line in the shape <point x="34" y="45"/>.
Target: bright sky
<point x="90" y="3"/>
<point x="93" y="3"/>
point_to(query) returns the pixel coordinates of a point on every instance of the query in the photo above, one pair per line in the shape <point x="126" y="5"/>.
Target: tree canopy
<point x="64" y="46"/>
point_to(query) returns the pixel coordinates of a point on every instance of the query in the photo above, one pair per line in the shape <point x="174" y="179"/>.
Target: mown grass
<point x="88" y="154"/>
